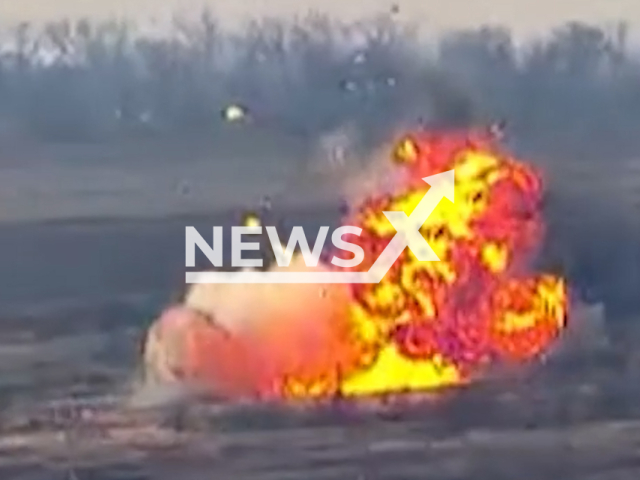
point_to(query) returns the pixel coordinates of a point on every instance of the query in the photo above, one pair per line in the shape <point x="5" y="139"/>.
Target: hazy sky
<point x="525" y="16"/>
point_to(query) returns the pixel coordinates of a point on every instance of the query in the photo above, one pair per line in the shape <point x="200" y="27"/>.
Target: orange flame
<point x="427" y="324"/>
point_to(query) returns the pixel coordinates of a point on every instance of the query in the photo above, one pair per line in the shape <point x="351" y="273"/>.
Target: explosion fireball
<point x="427" y="325"/>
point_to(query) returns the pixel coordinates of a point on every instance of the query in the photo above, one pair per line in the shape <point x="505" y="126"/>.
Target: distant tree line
<point x="87" y="81"/>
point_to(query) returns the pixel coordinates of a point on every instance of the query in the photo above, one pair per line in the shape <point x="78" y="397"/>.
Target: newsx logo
<point x="407" y="235"/>
<point x="283" y="255"/>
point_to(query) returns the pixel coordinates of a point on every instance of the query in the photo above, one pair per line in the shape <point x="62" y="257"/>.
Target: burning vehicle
<point x="425" y="326"/>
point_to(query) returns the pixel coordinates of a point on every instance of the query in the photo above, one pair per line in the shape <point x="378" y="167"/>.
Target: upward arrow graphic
<point x="408" y="227"/>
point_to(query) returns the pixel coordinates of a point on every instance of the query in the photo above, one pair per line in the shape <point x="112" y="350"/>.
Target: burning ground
<point x="427" y="325"/>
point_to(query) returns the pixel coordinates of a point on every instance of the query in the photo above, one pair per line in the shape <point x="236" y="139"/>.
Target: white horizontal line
<point x="281" y="277"/>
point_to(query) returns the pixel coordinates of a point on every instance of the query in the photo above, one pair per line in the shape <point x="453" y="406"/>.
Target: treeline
<point x="84" y="81"/>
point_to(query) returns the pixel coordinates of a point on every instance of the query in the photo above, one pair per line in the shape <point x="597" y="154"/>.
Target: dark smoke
<point x="571" y="100"/>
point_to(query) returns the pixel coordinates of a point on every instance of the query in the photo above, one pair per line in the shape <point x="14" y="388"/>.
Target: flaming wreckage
<point x="427" y="325"/>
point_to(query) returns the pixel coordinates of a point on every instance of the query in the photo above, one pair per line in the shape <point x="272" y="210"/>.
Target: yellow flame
<point x="251" y="220"/>
<point x="393" y="372"/>
<point x="406" y="151"/>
